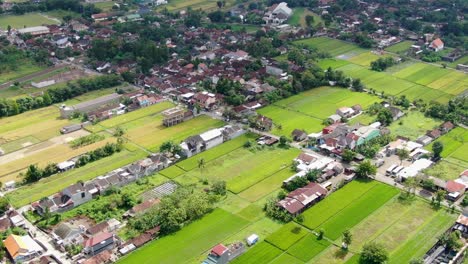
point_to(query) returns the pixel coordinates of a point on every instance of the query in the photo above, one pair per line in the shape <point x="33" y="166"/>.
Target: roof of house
<point x="219" y="250"/>
<point x="437" y="43"/>
<point x="298" y="133"/>
<point x="100" y="258"/>
<point x="17" y="245"/>
<point x="306" y="157"/>
<point x="5" y="223"/>
<point x="63" y="230"/>
<point x="103" y="236"/>
<point x="447" y="125"/>
<point x="308" y="193"/>
<point x="98" y="228"/>
<point x="453" y="186"/>
<point x="291" y="205"/>
<point x="144" y="206"/>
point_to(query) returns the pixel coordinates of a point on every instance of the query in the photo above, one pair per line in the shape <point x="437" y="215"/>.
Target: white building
<point x="212" y="138"/>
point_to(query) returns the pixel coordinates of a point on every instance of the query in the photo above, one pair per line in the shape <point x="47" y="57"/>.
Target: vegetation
<point x="381" y="64"/>
<point x="373" y="253"/>
<point x="86" y="140"/>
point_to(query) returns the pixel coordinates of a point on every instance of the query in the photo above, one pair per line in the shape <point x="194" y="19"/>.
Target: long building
<point x="89" y="106"/>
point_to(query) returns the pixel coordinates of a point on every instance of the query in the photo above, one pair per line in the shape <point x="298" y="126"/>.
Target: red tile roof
<point x="219" y="250"/>
<point x="453" y="186"/>
<point x="97" y="239"/>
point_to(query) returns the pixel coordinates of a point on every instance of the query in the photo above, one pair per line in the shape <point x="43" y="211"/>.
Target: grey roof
<point x="64" y="230"/>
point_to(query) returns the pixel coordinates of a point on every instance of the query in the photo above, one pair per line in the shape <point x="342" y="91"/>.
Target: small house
<point x="298" y="135"/>
<point x="437" y="45"/>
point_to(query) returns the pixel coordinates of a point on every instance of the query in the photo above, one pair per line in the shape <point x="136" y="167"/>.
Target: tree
<point x="416" y="261"/>
<point x="347" y="238"/>
<point x="365" y="169"/>
<point x="451" y="240"/>
<point x="384" y="116"/>
<point x="118" y="132"/>
<point x="348" y="155"/>
<point x="4" y="205"/>
<point x="283" y="141"/>
<point x="33" y="174"/>
<point x="312" y="175"/>
<point x="201" y="165"/>
<point x="373" y="253"/>
<point x="219" y="187"/>
<point x="402" y="154"/>
<point x="9" y="29"/>
<point x="321" y="233"/>
<point x="440" y="195"/>
<point x="357" y="85"/>
<point x="437" y="148"/>
<point x="309" y="20"/>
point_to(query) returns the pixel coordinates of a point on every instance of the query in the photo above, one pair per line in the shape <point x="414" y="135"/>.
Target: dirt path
<point x="33" y="149"/>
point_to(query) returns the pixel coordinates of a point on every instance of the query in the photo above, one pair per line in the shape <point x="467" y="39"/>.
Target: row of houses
<point x="431" y="135"/>
<point x="83" y="192"/>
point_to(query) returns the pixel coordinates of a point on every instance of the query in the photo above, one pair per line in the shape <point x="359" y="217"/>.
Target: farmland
<point x="414" y="80"/>
<point x="455" y="145"/>
<point x="308" y="110"/>
<point x="203" y="234"/>
<point x="27" y="20"/>
<point x="413" y="125"/>
<point x="400" y="47"/>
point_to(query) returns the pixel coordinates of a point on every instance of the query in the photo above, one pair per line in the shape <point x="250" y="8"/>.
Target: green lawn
<point x="27" y="20"/>
<point x="191" y="241"/>
<point x="400" y="47"/>
<point x="413" y="125"/>
<point x="287" y="236"/>
<point x="48" y="186"/>
<point x="263" y="252"/>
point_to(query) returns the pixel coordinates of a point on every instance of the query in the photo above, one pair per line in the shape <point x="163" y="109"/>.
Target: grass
<point x="364" y="59"/>
<point x="413" y="125"/>
<point x="308" y="247"/>
<point x="333" y="46"/>
<point x="400" y="47"/>
<point x="15" y="145"/>
<point x="286" y="258"/>
<point x="48" y="186"/>
<point x="243" y="168"/>
<point x="333" y="63"/>
<point x="462" y="60"/>
<point x="298" y="17"/>
<point x="287" y="236"/>
<point x="172" y="172"/>
<point x="452" y="141"/>
<point x="263" y="252"/>
<point x="27" y="20"/>
<point x="266" y="186"/>
<point x="192" y="240"/>
<point x="25" y="68"/>
<point x="150" y="133"/>
<point x="445" y="170"/>
<point x="205" y="5"/>
<point x="104" y="6"/>
<point x="211" y="154"/>
<point x="358" y="210"/>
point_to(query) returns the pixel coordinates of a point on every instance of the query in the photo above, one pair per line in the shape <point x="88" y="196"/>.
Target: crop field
<point x="413" y="125"/>
<point x="333" y="46"/>
<point x="333" y="63"/>
<point x="447" y="169"/>
<point x="104" y="6"/>
<point x="243" y="168"/>
<point x="27" y="20"/>
<point x="205" y="5"/>
<point x="287" y="236"/>
<point x="192" y="240"/>
<point x="308" y="247"/>
<point x="364" y="59"/>
<point x="285" y="121"/>
<point x="266" y="186"/>
<point x="400" y="47"/>
<point x="263" y="252"/>
<point x="150" y="133"/>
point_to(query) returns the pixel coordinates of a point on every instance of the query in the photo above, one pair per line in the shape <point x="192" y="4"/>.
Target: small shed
<point x="252" y="239"/>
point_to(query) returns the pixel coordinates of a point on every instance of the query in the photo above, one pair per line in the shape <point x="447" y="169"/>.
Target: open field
<point x="150" y="133"/>
<point x="211" y="154"/>
<point x="266" y="186"/>
<point x="299" y="15"/>
<point x="104" y="6"/>
<point x="365" y="59"/>
<point x="23" y="69"/>
<point x="27" y="20"/>
<point x="308" y="247"/>
<point x="205" y="5"/>
<point x="446" y="170"/>
<point x="192" y="240"/>
<point x="413" y="125"/>
<point x="287" y="235"/>
<point x="333" y="63"/>
<point x="400" y="47"/>
<point x="243" y="168"/>
<point x="333" y="46"/>
<point x="452" y="141"/>
<point x="55" y="183"/>
<point x="290" y="120"/>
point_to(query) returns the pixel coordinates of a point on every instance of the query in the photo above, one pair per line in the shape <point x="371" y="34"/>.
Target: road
<point x="44" y="239"/>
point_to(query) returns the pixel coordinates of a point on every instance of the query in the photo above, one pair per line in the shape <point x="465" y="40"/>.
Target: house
<point x="396" y="112"/>
<point x="357" y="109"/>
<point x="220" y="254"/>
<point x="65" y="235"/>
<point x="263" y="123"/>
<point x="346" y="112"/>
<point x="141" y="208"/>
<point x="424" y="140"/>
<point x="437" y="45"/>
<point x="5" y="224"/>
<point x="435" y="133"/>
<point x="455" y="190"/>
<point x="364" y="134"/>
<point x="98" y="243"/>
<point x="192" y="145"/>
<point x="277" y="14"/>
<point x="140" y="240"/>
<point x="66" y="165"/>
<point x="76" y="194"/>
<point x="204" y="99"/>
<point x="334" y="119"/>
<point x="35" y="31"/>
<point x="98" y="228"/>
<point x="173" y="116"/>
<point x="231" y="132"/>
<point x="212" y="138"/>
<point x="22" y="248"/>
<point x="446" y="127"/>
<point x="101" y="258"/>
<point x="302" y="198"/>
<point x="298" y="135"/>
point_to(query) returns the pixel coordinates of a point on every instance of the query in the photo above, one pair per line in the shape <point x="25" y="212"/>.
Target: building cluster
<point x="83" y="192"/>
<point x="209" y="139"/>
<point x="435" y="133"/>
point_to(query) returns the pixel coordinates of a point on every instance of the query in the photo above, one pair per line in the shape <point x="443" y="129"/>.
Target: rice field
<point x="333" y="46"/>
<point x="26" y="20"/>
<point x="413" y="125"/>
<point x="400" y="47"/>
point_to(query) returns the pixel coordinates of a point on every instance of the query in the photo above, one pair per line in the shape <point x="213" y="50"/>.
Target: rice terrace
<point x="216" y="132"/>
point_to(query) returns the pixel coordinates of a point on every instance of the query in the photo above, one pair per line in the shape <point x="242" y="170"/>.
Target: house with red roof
<point x="455" y="190"/>
<point x="437" y="45"/>
<point x="98" y="243"/>
<point x="302" y="198"/>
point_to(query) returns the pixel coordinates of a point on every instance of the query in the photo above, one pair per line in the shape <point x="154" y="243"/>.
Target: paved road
<point x="33" y="75"/>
